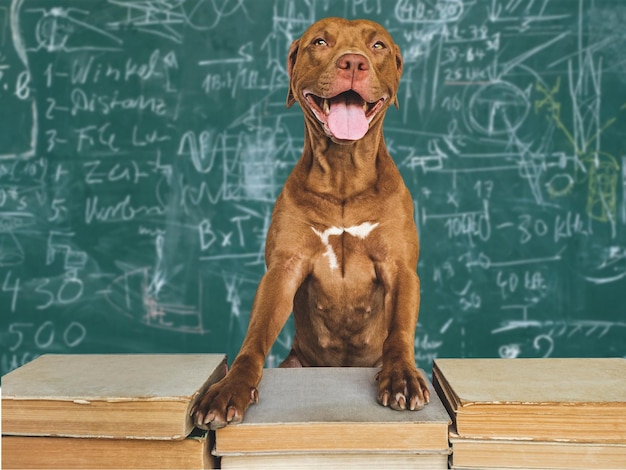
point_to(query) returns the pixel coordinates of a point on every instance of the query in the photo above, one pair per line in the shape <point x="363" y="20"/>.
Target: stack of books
<point x="106" y="411"/>
<point x="535" y="413"/>
<point x="329" y="418"/>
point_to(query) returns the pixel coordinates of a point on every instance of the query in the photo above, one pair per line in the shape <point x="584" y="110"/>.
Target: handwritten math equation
<point x="143" y="145"/>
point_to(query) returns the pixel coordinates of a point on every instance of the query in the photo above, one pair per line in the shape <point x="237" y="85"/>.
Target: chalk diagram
<point x="508" y="144"/>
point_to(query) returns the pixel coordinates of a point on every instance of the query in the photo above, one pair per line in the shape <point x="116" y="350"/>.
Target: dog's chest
<point x="345" y="247"/>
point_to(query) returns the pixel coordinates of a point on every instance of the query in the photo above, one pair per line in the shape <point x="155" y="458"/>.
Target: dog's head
<point x="345" y="74"/>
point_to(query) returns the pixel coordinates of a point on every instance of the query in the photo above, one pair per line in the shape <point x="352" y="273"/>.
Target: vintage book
<point x="21" y="452"/>
<point x="541" y="399"/>
<point x="108" y="396"/>
<point x="346" y="460"/>
<point x="496" y="453"/>
<point x="316" y="410"/>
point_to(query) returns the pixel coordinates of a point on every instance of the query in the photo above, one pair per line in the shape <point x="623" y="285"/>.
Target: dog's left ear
<point x="399" y="67"/>
<point x="291" y="61"/>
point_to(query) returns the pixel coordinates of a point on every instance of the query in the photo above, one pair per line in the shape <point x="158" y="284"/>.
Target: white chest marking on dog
<point x="360" y="231"/>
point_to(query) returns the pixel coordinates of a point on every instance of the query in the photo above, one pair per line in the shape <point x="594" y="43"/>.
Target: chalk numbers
<point x="46" y="336"/>
<point x="11" y="286"/>
<point x="26" y="341"/>
<point x="529" y="228"/>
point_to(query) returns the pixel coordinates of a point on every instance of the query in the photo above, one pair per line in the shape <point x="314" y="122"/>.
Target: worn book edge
<point x="90" y="415"/>
<point x="533" y="421"/>
<point x="557" y="382"/>
<point x="85" y="453"/>
<point x="296" y="412"/>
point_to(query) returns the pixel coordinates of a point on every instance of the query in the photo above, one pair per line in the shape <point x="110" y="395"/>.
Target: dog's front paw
<point x="224" y="402"/>
<point x="402" y="387"/>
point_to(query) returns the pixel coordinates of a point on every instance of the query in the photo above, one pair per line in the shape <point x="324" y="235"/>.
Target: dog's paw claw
<point x="232" y="415"/>
<point x="383" y="399"/>
<point x="400" y="401"/>
<point x="206" y="420"/>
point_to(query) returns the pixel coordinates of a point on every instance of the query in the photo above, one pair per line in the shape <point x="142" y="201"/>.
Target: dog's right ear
<point x="291" y="61"/>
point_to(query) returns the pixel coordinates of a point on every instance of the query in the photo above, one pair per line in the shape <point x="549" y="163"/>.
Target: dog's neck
<point x="342" y="171"/>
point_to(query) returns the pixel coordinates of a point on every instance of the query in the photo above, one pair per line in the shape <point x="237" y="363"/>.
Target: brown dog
<point x="342" y="248"/>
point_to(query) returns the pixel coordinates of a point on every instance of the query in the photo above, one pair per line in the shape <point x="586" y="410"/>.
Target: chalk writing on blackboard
<point x="143" y="145"/>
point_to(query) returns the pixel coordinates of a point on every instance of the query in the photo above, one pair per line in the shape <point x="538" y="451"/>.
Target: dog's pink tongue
<point x="346" y="119"/>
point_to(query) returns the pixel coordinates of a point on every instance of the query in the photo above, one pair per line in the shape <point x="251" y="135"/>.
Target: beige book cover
<point x="64" y="453"/>
<point x="343" y="461"/>
<point x="144" y="396"/>
<point x="540" y="399"/>
<point x="331" y="409"/>
<point x="496" y="453"/>
<point x="538" y="381"/>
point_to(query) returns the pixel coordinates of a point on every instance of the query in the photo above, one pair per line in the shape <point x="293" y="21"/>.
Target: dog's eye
<point x="320" y="42"/>
<point x="378" y="45"/>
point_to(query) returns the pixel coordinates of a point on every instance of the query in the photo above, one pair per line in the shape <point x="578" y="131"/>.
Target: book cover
<point x="497" y="453"/>
<point x="345" y="460"/>
<point x="109" y="396"/>
<point x="64" y="453"/>
<point x="566" y="381"/>
<point x="331" y="409"/>
<point x="541" y="399"/>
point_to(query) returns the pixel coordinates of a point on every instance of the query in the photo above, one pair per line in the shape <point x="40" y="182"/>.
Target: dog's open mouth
<point x="345" y="116"/>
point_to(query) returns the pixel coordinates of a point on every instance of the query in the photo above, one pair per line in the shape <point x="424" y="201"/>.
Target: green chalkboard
<point x="143" y="143"/>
